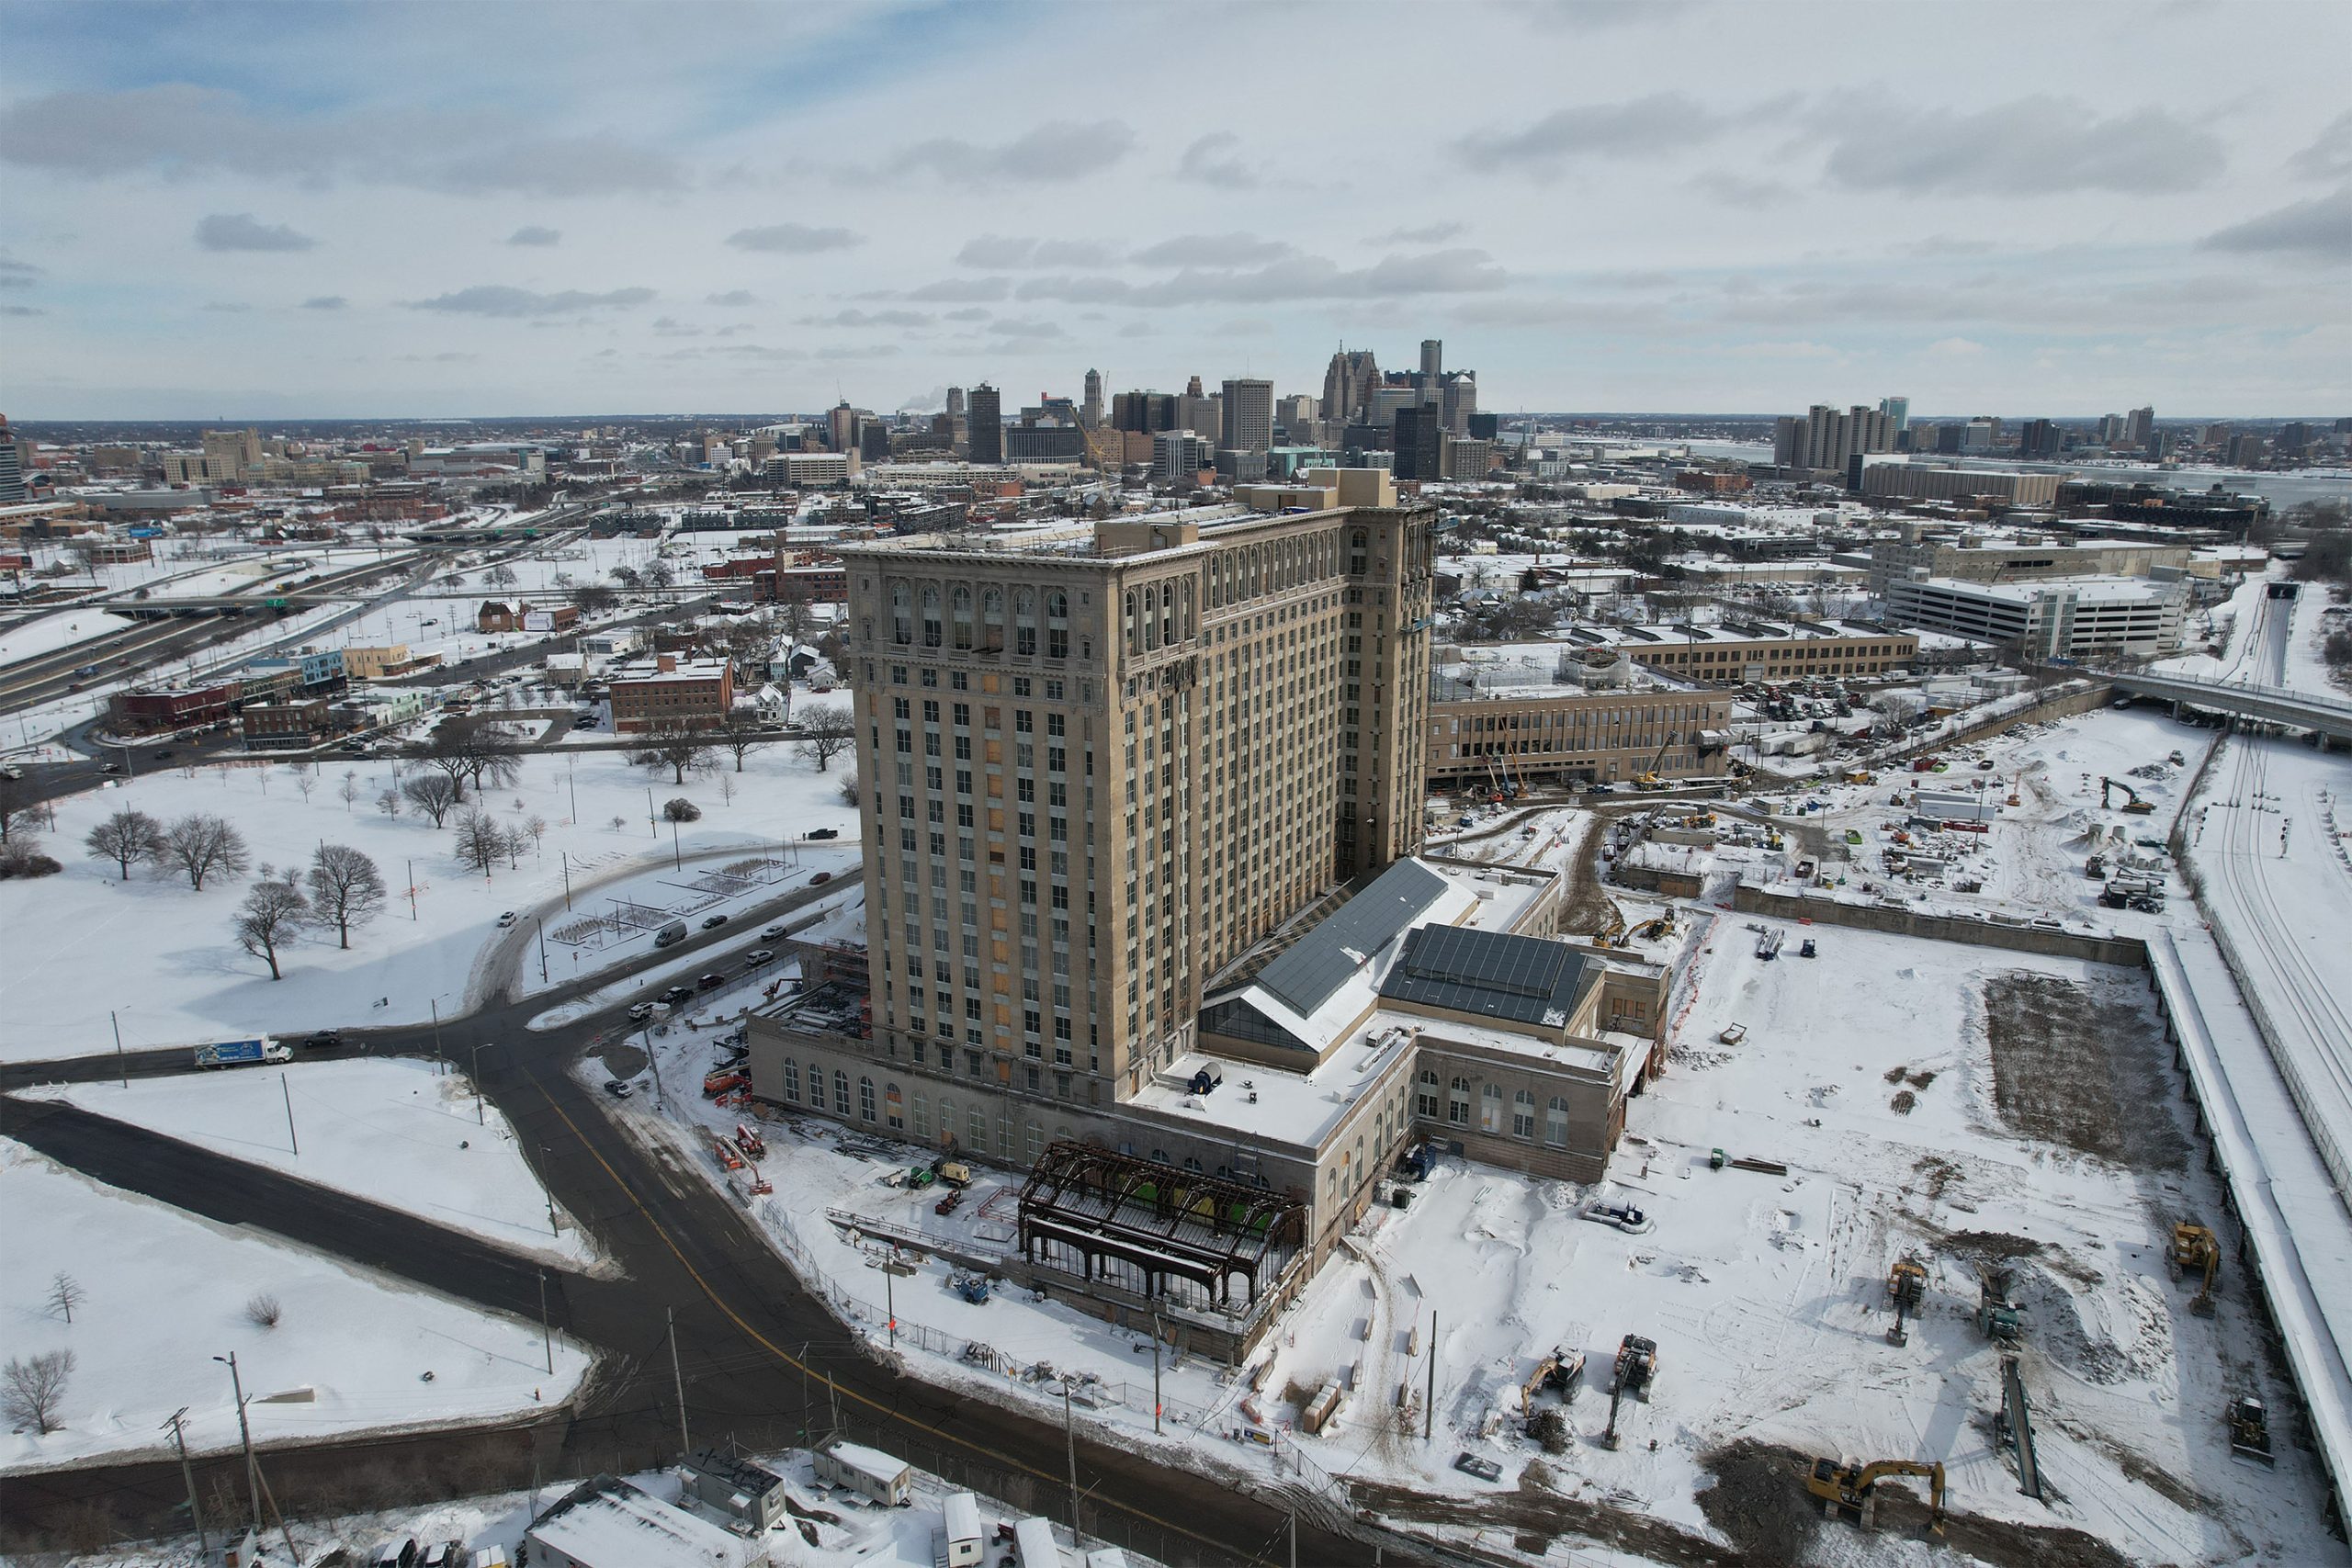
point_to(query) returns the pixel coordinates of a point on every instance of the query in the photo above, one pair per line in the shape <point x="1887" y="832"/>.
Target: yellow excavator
<point x="1613" y="931"/>
<point x="1906" y="1291"/>
<point x="1850" y="1492"/>
<point x="2196" y="1250"/>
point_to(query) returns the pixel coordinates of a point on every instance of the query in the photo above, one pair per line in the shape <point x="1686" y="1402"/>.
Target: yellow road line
<point x="788" y="1359"/>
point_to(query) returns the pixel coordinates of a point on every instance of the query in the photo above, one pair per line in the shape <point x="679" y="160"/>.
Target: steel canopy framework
<point x="1157" y="1219"/>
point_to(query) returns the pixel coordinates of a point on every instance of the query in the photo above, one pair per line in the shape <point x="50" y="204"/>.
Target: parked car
<point x="711" y="981"/>
<point x="616" y="1089"/>
<point x="824" y="832"/>
<point x="821" y="879"/>
<point x="714" y="922"/>
<point x="111" y="768"/>
<point x="164" y="755"/>
<point x="506" y="919"/>
<point x="758" y="956"/>
<point x="675" y="994"/>
<point x="639" y="1012"/>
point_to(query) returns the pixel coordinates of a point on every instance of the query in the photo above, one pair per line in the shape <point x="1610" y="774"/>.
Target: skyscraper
<point x="954" y="402"/>
<point x="1419" y="449"/>
<point x="1348" y="384"/>
<point x="2140" y="429"/>
<point x="1823" y="438"/>
<point x="1458" y="398"/>
<point x="1090" y="414"/>
<point x="1249" y="415"/>
<point x="987" y="425"/>
<point x="12" y="476"/>
<point x="1899" y="410"/>
<point x="1432" y="369"/>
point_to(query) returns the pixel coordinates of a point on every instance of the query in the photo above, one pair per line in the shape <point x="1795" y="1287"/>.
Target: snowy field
<point x="391" y="1129"/>
<point x="1869" y="1074"/>
<point x="61" y="628"/>
<point x="350" y="1352"/>
<point x="76" y="933"/>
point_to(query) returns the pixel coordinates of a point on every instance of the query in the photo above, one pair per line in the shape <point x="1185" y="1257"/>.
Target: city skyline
<point x="224" y="212"/>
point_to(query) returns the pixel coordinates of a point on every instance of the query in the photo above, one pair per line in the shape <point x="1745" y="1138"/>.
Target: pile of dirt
<point x="2084" y="1067"/>
<point x="1759" y="1503"/>
<point x="2125" y="1332"/>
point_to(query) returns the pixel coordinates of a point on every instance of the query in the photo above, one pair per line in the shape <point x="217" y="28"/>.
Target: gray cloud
<point x="969" y="313"/>
<point x="177" y="128"/>
<point x="1000" y="251"/>
<point x="22" y="310"/>
<point x="325" y="302"/>
<point x="243" y="232"/>
<point x="734" y="297"/>
<point x="1661" y="122"/>
<point x="15" y="273"/>
<point x="1214" y="250"/>
<point x="1294" y="277"/>
<point x="960" y="291"/>
<point x="794" y="239"/>
<point x="499" y="300"/>
<point x="1429" y="234"/>
<point x="2319" y="229"/>
<point x="868" y="318"/>
<point x="1737" y="190"/>
<point x="2330" y="156"/>
<point x="670" y="326"/>
<point x="227" y="308"/>
<point x="2043" y="145"/>
<point x="1599" y="16"/>
<point x="1210" y="161"/>
<point x="1056" y="151"/>
<point x="1034" y="331"/>
<point x="532" y="234"/>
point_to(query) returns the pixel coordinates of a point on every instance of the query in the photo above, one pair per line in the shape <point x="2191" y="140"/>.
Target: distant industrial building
<point x="1923" y="481"/>
<point x="1734" y="653"/>
<point x="670" y="691"/>
<point x="1498" y="732"/>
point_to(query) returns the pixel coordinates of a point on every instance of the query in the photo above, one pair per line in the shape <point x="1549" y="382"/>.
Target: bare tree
<point x="433" y="794"/>
<point x="794" y="619"/>
<point x="537" y="826"/>
<point x="849" y="789"/>
<point x="678" y="748"/>
<point x="388" y="803"/>
<point x="659" y="574"/>
<point x="272" y="917"/>
<point x="500" y="575"/>
<point x="348" y="789"/>
<point x="346" y="889"/>
<point x="727" y="788"/>
<point x="627" y="577"/>
<point x="200" y="845"/>
<point x="592" y="598"/>
<point x="66" y="1293"/>
<point x="31" y="1391"/>
<point x="19" y="811"/>
<point x="126" y="838"/>
<point x="481" y="842"/>
<point x="825" y="734"/>
<point x="306" y="778"/>
<point x="471" y="755"/>
<point x="262" y="1310"/>
<point x="742" y="732"/>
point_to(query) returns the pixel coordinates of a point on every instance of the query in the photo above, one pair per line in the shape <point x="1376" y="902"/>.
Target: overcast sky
<point x="458" y="210"/>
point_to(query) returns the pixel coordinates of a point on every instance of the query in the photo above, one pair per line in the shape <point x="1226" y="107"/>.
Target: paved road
<point x="753" y="1347"/>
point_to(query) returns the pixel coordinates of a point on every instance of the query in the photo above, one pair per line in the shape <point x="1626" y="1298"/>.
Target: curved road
<point x="754" y="1347"/>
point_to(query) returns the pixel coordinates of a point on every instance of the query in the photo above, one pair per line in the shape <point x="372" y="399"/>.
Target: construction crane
<point x="1648" y="778"/>
<point x="1907" y="1287"/>
<point x="1636" y="1371"/>
<point x="2132" y="804"/>
<point x="1850" y="1492"/>
<point x="2196" y="1250"/>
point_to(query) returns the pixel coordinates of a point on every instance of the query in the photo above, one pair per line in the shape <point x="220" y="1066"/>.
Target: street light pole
<point x="245" y="1435"/>
<point x="1069" y="1442"/>
<point x="481" y="1116"/>
<point x="546" y="1336"/>
<point x="542" y="947"/>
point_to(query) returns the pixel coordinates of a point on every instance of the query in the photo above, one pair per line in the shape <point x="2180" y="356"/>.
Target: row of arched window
<point x="1247" y="571"/>
<point x="1158" y="615"/>
<point x="1454" y="1108"/>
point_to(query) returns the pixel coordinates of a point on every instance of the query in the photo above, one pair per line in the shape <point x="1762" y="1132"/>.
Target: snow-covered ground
<point x="391" y="1129"/>
<point x="76" y="935"/>
<point x="166" y="1292"/>
<point x="61" y="628"/>
<point x="848" y="1533"/>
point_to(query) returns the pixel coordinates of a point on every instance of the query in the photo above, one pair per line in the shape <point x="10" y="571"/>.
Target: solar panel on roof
<point x="1487" y="974"/>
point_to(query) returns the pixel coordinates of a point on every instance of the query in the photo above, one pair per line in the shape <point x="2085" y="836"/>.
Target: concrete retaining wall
<point x="2130" y="951"/>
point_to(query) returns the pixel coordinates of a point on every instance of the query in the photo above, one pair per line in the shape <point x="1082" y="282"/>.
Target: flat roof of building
<point x="2111" y="589"/>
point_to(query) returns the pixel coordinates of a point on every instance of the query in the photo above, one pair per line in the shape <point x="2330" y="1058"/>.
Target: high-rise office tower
<point x="1249" y="415"/>
<point x="1296" y="415"/>
<point x="1090" y="414"/>
<point x="2040" y="438"/>
<point x="2140" y="429"/>
<point x="1823" y="438"/>
<point x="954" y="402"/>
<point x="1897" y="409"/>
<point x="841" y="426"/>
<point x="987" y="443"/>
<point x="12" y="475"/>
<point x="1458" y="400"/>
<point x="1097" y="766"/>
<point x="1348" y="384"/>
<point x="232" y="454"/>
<point x="1433" y="368"/>
<point x="1144" y="411"/>
<point x="1420" y="446"/>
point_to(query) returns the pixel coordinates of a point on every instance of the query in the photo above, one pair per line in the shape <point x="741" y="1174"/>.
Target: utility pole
<point x="411" y="878"/>
<point x="686" y="1446"/>
<point x="546" y="1336"/>
<point x="435" y="1003"/>
<point x="1069" y="1442"/>
<point x="890" y="1295"/>
<point x="1294" y="1538"/>
<point x="180" y="1440"/>
<point x="1428" y="1410"/>
<point x="566" y="856"/>
<point x="481" y="1116"/>
<point x="292" y="1142"/>
<point x="1155" y="1374"/>
<point x="119" y="1060"/>
<point x="542" y="947"/>
<point x="245" y="1435"/>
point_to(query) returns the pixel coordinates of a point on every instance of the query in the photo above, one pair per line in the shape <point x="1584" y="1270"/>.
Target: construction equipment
<point x="1907" y="1288"/>
<point x="1562" y="1369"/>
<point x="1613" y="931"/>
<point x="1658" y="929"/>
<point x="755" y="1147"/>
<point x="1636" y="1371"/>
<point x="2250" y="1430"/>
<point x="2132" y="804"/>
<point x="2196" y="1250"/>
<point x="1649" y="778"/>
<point x="1996" y="1318"/>
<point x="2096" y="866"/>
<point x="1850" y="1492"/>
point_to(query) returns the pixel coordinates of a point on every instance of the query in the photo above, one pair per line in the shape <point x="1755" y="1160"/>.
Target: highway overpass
<point x="2327" y="716"/>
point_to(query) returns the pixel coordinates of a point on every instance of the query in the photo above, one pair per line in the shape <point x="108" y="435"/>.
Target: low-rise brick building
<point x="672" y="690"/>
